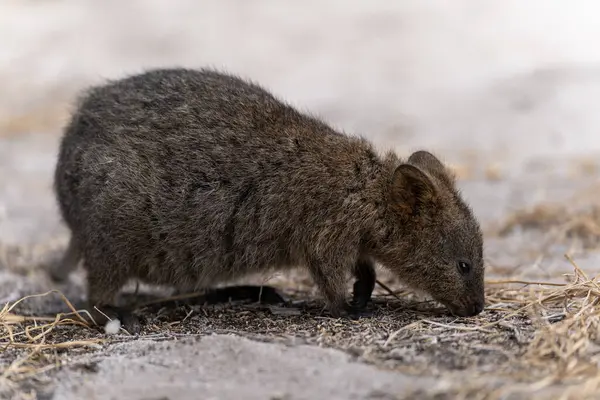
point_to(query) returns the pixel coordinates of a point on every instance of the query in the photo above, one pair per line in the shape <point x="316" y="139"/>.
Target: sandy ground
<point x="504" y="91"/>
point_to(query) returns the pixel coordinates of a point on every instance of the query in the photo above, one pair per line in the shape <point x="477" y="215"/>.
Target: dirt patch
<point x="531" y="334"/>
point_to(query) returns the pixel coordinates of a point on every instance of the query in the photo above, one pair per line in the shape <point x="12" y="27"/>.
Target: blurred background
<point x="497" y="88"/>
<point x="506" y="91"/>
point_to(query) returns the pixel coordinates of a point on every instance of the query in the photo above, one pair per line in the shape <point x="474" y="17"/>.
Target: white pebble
<point x="112" y="327"/>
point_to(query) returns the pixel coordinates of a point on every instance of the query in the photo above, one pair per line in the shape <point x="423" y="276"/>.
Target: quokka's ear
<point x="412" y="190"/>
<point x="430" y="163"/>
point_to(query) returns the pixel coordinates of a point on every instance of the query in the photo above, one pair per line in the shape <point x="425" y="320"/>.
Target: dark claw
<point x="354" y="312"/>
<point x="351" y="312"/>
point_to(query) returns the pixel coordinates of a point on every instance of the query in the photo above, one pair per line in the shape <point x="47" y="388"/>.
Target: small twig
<point x="509" y="281"/>
<point x="394" y="334"/>
<point x="102" y="313"/>
<point x="63" y="345"/>
<point x="457" y="327"/>
<point x="8" y="309"/>
<point x="187" y="316"/>
<point x="387" y="289"/>
<point x="581" y="272"/>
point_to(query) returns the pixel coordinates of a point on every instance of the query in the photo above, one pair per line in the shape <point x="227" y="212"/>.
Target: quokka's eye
<point x="464" y="267"/>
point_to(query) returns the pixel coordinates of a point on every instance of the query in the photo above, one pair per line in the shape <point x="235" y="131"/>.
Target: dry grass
<point x="560" y="223"/>
<point x="565" y="351"/>
<point x="584" y="224"/>
<point x="533" y="334"/>
<point x="48" y="119"/>
<point x="37" y="337"/>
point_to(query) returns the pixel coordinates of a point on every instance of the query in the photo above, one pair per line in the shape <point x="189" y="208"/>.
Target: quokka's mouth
<point x="470" y="309"/>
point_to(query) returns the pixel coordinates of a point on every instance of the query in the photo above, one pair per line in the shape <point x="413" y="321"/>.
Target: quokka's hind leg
<point x="60" y="269"/>
<point x="104" y="284"/>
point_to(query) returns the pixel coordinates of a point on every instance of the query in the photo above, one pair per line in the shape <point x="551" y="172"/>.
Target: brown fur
<point x="190" y="178"/>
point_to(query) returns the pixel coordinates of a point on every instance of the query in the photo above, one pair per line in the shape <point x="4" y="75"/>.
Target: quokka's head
<point x="433" y="242"/>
